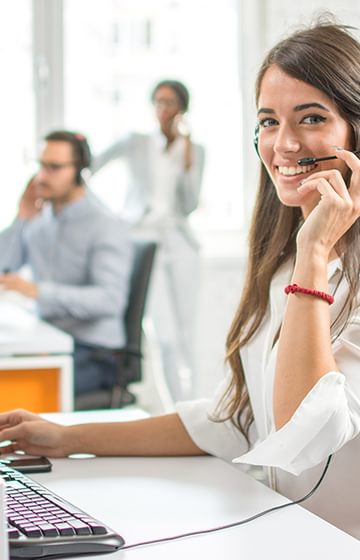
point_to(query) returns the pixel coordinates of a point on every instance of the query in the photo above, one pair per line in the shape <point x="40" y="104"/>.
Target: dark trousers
<point x="93" y="369"/>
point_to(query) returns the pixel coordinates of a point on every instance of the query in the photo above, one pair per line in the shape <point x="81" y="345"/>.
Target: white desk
<point x="29" y="344"/>
<point x="148" y="498"/>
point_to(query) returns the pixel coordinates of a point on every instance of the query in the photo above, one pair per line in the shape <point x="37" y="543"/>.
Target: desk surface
<point x="149" y="498"/>
<point x="23" y="333"/>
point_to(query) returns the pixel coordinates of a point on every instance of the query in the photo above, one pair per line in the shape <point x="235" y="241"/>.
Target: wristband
<point x="294" y="288"/>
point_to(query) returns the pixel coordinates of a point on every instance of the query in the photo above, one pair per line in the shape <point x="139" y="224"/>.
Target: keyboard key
<point x="32" y="532"/>
<point x="13" y="533"/>
<point x="65" y="529"/>
<point x="48" y="530"/>
<point x="80" y="527"/>
<point x="96" y="528"/>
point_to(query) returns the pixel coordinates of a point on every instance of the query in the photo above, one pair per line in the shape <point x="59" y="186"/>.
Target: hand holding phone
<point x="182" y="125"/>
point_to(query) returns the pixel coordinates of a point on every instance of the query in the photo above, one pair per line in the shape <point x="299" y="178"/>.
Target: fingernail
<point x="338" y="148"/>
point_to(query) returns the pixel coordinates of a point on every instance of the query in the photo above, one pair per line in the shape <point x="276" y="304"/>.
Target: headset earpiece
<point x="256" y="139"/>
<point x="84" y="156"/>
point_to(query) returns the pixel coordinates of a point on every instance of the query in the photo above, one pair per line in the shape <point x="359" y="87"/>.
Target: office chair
<point x="129" y="358"/>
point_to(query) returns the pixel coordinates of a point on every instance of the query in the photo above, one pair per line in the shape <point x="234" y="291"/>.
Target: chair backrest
<point x="144" y="254"/>
<point x="129" y="358"/>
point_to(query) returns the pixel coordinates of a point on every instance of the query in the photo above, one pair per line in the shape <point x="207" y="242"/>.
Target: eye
<point x="267" y="122"/>
<point x="314" y="119"/>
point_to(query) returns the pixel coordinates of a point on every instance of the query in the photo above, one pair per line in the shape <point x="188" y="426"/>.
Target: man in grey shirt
<point x="80" y="255"/>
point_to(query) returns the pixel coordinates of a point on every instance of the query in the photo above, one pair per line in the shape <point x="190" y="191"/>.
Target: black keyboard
<point x="44" y="525"/>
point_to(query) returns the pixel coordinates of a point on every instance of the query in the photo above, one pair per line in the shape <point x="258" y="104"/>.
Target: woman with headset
<point x="292" y="396"/>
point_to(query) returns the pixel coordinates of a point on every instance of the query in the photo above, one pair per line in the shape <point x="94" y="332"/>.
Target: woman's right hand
<point x="337" y="209"/>
<point x="30" y="433"/>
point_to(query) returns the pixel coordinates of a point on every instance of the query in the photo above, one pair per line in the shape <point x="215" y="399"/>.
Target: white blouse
<point x="166" y="166"/>
<point x="326" y="422"/>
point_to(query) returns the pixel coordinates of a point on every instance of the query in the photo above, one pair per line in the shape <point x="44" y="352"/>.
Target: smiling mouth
<point x="296" y="170"/>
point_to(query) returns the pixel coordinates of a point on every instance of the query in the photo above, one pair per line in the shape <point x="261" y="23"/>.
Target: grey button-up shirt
<point x="81" y="260"/>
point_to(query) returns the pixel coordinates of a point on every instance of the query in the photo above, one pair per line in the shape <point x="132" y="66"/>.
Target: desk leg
<point x="66" y="385"/>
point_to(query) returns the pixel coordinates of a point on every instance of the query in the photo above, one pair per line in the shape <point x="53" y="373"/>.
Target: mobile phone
<point x="26" y="464"/>
<point x="183" y="124"/>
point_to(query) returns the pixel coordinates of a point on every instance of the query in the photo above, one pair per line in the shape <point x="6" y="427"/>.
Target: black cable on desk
<point x="235" y="523"/>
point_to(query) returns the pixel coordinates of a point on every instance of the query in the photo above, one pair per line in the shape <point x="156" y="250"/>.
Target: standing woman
<point x="292" y="396"/>
<point x="165" y="175"/>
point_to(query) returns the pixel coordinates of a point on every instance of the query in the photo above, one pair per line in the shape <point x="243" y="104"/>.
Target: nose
<point x="43" y="176"/>
<point x="162" y="112"/>
<point x="286" y="140"/>
<point x="40" y="173"/>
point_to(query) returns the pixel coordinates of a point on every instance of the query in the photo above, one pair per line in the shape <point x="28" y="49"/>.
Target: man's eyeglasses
<point x="52" y="167"/>
<point x="167" y="103"/>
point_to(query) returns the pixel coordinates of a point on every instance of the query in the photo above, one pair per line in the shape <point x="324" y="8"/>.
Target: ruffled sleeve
<point x="326" y="419"/>
<point x="221" y="439"/>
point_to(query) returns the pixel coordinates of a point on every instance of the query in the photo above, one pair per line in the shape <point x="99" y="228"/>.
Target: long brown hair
<point x="327" y="57"/>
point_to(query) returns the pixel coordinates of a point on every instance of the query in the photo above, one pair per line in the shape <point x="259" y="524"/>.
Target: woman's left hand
<point x="337" y="210"/>
<point x="181" y="126"/>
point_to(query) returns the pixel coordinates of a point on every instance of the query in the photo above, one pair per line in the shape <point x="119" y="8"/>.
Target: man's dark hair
<point x="80" y="147"/>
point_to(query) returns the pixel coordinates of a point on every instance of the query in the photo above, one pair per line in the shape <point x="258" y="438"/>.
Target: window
<point x="115" y="51"/>
<point x="17" y="104"/>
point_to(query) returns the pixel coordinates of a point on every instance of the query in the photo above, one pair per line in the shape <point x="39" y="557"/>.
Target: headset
<point x="256" y="139"/>
<point x="82" y="155"/>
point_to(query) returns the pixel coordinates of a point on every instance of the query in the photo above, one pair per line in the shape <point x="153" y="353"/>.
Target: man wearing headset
<point x="79" y="254"/>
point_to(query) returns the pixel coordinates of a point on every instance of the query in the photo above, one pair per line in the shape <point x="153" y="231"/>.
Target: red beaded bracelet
<point x="294" y="288"/>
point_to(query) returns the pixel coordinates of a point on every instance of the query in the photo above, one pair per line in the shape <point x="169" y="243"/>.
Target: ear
<point x="256" y="139"/>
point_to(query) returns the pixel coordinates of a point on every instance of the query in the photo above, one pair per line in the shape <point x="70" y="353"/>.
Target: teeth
<point x="298" y="170"/>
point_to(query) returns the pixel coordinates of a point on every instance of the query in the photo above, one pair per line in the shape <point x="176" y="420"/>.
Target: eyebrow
<point x="297" y="108"/>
